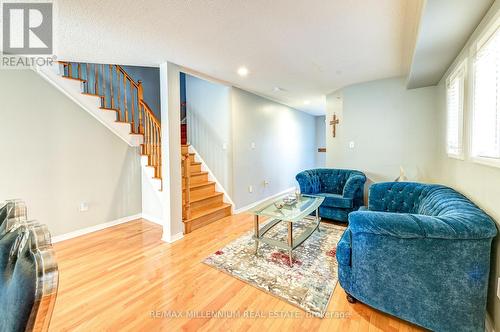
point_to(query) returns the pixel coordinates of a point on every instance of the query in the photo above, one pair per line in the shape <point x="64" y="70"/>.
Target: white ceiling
<point x="307" y="47"/>
<point x="445" y="26"/>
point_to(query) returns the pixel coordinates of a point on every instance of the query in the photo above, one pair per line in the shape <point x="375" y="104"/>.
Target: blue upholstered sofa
<point x="342" y="189"/>
<point x="419" y="252"/>
<point x="28" y="271"/>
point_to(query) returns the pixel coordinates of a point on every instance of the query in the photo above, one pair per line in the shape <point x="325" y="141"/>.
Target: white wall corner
<point x="171" y="151"/>
<point x="153" y="219"/>
<point x="254" y="204"/>
<point x="488" y="326"/>
<point x="172" y="238"/>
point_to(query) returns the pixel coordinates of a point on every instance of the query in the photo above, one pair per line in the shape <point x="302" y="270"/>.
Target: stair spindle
<point x="87" y="83"/>
<point x="111" y="86"/>
<point x="132" y="123"/>
<point x="140" y="95"/>
<point x="96" y="79"/>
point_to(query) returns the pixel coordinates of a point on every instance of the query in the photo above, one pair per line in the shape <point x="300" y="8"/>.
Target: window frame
<point x="481" y="41"/>
<point x="459" y="72"/>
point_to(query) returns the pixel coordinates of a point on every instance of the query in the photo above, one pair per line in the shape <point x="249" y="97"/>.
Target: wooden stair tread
<point x="202" y="184"/>
<point x="199" y="173"/>
<point x="200" y="197"/>
<point x="207" y="211"/>
<point x="74" y="78"/>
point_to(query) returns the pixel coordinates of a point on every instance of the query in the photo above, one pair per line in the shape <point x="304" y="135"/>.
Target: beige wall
<point x="284" y="144"/>
<point x="55" y="155"/>
<point x="390" y="127"/>
<point x="480" y="183"/>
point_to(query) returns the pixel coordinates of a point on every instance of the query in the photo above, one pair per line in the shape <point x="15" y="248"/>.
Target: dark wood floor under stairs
<point x="207" y="205"/>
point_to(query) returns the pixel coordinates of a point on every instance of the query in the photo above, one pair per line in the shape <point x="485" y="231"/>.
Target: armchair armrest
<point x="353" y="184"/>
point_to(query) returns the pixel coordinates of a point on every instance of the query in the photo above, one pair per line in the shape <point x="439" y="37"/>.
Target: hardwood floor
<point x="126" y="279"/>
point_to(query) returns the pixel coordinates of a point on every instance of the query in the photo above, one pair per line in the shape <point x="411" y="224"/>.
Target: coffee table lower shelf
<point x="291" y="243"/>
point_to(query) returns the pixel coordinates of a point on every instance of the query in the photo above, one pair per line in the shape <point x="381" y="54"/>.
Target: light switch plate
<point x="84" y="207"/>
<point x="252" y="145"/>
<point x="351" y="145"/>
<point x="498" y="288"/>
<point x="250" y="189"/>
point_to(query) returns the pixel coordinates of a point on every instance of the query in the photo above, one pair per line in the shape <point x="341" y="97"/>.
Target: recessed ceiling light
<point x="243" y="71"/>
<point x="307" y="102"/>
<point x="277" y="89"/>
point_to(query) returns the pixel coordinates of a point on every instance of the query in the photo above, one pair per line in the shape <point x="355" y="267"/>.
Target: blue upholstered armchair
<point x="342" y="189"/>
<point x="420" y="252"/>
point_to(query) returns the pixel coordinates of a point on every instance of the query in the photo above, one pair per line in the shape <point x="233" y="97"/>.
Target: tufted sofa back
<point x="325" y="180"/>
<point x="449" y="206"/>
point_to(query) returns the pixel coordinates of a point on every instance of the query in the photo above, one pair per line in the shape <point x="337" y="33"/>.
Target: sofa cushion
<point x="336" y="201"/>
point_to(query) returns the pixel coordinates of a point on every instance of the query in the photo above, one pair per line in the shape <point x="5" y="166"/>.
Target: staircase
<point x="202" y="204"/>
<point x="121" y="107"/>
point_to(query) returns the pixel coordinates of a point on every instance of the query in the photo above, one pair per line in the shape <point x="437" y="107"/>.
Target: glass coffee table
<point x="299" y="211"/>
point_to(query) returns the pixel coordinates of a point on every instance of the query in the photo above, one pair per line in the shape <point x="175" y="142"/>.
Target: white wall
<point x="389" y="126"/>
<point x="320" y="127"/>
<point x="55" y="156"/>
<point x="284" y="145"/>
<point x="480" y="183"/>
<point x="209" y="126"/>
<point x="171" y="200"/>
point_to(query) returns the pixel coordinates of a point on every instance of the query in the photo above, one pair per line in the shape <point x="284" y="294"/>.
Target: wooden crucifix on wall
<point x="334" y="123"/>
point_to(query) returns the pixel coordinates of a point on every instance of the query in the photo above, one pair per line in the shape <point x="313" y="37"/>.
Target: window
<point x="486" y="107"/>
<point x="455" y="111"/>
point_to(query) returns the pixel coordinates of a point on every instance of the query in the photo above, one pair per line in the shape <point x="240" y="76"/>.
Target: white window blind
<point x="454" y="107"/>
<point x="486" y="94"/>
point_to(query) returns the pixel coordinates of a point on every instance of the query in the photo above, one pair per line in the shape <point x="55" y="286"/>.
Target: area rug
<point x="307" y="284"/>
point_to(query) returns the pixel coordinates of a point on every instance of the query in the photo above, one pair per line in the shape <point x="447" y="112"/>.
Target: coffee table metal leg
<point x="317" y="219"/>
<point x="290" y="242"/>
<point x="256" y="229"/>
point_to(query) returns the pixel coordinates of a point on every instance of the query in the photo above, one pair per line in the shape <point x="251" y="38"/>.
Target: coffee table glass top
<point x="295" y="212"/>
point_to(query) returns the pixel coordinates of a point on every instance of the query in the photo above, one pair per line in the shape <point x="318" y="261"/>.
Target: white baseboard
<point x="250" y="206"/>
<point x="94" y="228"/>
<point x="172" y="238"/>
<point x="153" y="219"/>
<point x="489" y="324"/>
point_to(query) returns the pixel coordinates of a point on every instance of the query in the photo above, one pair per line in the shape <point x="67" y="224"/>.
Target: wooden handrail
<point x="186" y="176"/>
<point x="119" y="92"/>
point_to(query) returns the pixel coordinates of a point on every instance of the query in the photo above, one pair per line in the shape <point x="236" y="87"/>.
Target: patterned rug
<point x="308" y="284"/>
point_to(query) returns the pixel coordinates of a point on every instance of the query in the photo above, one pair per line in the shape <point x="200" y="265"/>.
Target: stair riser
<point x="203" y="190"/>
<point x="192" y="158"/>
<point x="184" y="150"/>
<point x="199" y="178"/>
<point x="195" y="168"/>
<point x="208" y="219"/>
<point x="212" y="201"/>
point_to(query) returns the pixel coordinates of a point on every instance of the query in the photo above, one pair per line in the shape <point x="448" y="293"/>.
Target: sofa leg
<point x="350" y="298"/>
